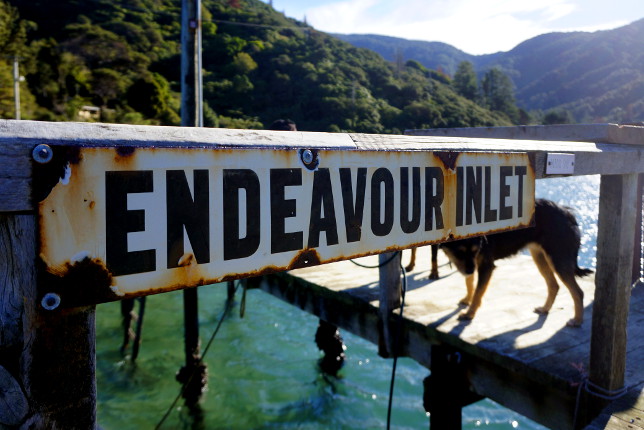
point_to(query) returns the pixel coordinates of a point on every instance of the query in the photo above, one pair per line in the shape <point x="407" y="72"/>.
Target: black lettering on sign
<point x="406" y="224"/>
<point x="322" y="210"/>
<point x="489" y="214"/>
<point x="505" y="212"/>
<point x="119" y="222"/>
<point x="353" y="210"/>
<point x="234" y="181"/>
<point x="459" y="196"/>
<point x="382" y="178"/>
<point x="184" y="211"/>
<point x="282" y="208"/>
<point x="473" y="193"/>
<point x="520" y="171"/>
<point x="434" y="199"/>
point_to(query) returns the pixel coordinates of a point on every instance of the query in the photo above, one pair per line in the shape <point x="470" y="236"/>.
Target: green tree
<point x="465" y="82"/>
<point x="561" y="116"/>
<point x="149" y="95"/>
<point x="497" y="92"/>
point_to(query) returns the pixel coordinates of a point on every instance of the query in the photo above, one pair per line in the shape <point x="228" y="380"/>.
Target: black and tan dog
<point x="553" y="242"/>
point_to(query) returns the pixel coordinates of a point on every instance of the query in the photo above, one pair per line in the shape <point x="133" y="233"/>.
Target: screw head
<point x="42" y="153"/>
<point x="50" y="301"/>
<point x="307" y="156"/>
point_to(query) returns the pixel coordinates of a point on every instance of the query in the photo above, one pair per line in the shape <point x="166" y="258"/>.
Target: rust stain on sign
<point x="138" y="222"/>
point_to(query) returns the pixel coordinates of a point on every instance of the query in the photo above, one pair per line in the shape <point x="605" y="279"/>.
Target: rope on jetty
<point x="379" y="265"/>
<point x="597" y="391"/>
<point x="229" y="305"/>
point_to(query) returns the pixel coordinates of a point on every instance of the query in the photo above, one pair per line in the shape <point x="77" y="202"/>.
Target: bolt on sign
<point x="133" y="223"/>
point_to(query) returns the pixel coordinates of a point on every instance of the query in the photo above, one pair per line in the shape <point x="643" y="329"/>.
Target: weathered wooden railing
<point x="92" y="212"/>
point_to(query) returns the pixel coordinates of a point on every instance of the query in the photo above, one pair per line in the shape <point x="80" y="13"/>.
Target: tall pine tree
<point x="465" y="82"/>
<point x="497" y="92"/>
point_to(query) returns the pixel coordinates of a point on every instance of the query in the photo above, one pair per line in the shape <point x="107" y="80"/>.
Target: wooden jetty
<point x="91" y="213"/>
<point x="533" y="364"/>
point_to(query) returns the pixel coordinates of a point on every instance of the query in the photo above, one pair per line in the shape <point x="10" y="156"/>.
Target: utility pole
<point x="16" y="86"/>
<point x="193" y="374"/>
<point x="191" y="86"/>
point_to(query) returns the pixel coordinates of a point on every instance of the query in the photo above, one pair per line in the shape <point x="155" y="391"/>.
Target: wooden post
<point x="191" y="98"/>
<point x="447" y="389"/>
<point x="193" y="374"/>
<point x="390" y="289"/>
<point x="51" y="354"/>
<point x="637" y="244"/>
<point x="616" y="225"/>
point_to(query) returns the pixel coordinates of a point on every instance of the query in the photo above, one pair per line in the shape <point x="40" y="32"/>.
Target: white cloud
<point x="474" y="26"/>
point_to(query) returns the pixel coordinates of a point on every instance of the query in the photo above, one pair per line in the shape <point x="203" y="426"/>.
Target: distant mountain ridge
<point x="596" y="76"/>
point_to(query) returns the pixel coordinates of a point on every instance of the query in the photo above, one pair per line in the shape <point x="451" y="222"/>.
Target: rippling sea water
<point x="262" y="368"/>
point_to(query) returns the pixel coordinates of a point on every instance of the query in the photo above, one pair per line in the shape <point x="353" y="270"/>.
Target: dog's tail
<point x="582" y="272"/>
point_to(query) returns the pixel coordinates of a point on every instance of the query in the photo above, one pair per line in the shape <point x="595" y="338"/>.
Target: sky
<point x="474" y="26"/>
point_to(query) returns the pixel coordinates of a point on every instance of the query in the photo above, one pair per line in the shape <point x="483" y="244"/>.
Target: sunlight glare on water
<point x="262" y="371"/>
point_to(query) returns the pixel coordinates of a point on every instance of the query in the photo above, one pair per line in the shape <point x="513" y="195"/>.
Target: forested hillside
<point x="123" y="57"/>
<point x="593" y="77"/>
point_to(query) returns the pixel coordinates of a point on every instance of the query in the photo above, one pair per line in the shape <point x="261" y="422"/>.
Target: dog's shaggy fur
<point x="553" y="242"/>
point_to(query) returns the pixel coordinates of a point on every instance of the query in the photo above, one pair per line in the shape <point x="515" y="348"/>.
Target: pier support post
<point x="390" y="296"/>
<point x="328" y="340"/>
<point x="47" y="352"/>
<point x="127" y="315"/>
<point x="613" y="281"/>
<point x="447" y="388"/>
<point x="193" y="376"/>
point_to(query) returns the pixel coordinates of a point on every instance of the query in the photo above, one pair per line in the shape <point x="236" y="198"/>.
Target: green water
<point x="262" y="368"/>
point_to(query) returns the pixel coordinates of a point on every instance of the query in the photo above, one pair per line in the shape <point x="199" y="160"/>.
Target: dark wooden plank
<point x="15" y="177"/>
<point x="624" y="413"/>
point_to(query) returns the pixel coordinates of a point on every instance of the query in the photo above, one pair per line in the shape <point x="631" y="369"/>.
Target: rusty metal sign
<point x="121" y="223"/>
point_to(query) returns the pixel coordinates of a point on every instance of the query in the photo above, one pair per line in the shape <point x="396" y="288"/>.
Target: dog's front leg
<point x="484" y="275"/>
<point x="469" y="283"/>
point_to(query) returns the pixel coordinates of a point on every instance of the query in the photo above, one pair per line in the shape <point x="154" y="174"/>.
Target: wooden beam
<point x="18" y="139"/>
<point x="606" y="133"/>
<point x="616" y="227"/>
<point x="51" y="353"/>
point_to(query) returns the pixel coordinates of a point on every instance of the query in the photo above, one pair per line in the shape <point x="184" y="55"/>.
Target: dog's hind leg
<point x="434" y="272"/>
<point x="541" y="260"/>
<point x="484" y="275"/>
<point x="568" y="278"/>
<point x="412" y="262"/>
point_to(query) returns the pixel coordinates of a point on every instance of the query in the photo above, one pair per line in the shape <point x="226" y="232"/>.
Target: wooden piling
<point x="637" y="243"/>
<point x="616" y="224"/>
<point x="390" y="297"/>
<point x="446" y="390"/>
